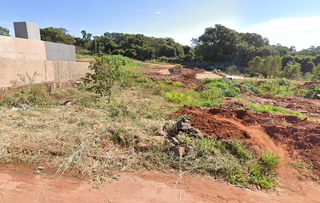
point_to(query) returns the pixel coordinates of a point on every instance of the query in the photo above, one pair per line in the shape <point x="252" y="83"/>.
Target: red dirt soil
<point x="176" y="74"/>
<point x="299" y="137"/>
<point x="147" y="186"/>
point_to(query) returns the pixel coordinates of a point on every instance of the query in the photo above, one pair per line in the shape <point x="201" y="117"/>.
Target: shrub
<point x="251" y="88"/>
<point x="143" y="80"/>
<point x="176" y="97"/>
<point x="107" y="72"/>
<point x="177" y="84"/>
<point x="210" y="80"/>
<point x="209" y="68"/>
<point x="270" y="160"/>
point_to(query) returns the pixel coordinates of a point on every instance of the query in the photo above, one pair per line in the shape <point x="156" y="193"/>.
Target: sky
<point x="288" y="22"/>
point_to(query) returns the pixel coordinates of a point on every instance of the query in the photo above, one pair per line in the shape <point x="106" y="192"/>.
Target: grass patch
<point x="143" y="80"/>
<point x="273" y="109"/>
<point x="232" y="161"/>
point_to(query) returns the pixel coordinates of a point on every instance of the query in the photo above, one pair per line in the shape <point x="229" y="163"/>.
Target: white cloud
<point x="47" y="21"/>
<point x="298" y="32"/>
<point x="138" y="10"/>
<point x="158" y="12"/>
<point x="159" y="23"/>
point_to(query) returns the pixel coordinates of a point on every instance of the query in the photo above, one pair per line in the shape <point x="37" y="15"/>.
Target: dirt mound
<point x="177" y="74"/>
<point x="300" y="137"/>
<point x="205" y="121"/>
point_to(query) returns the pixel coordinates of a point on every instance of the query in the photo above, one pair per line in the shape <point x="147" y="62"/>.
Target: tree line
<point x="218" y="45"/>
<point x="135" y="46"/>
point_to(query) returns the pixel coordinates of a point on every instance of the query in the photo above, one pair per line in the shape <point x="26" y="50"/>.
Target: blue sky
<point x="288" y="22"/>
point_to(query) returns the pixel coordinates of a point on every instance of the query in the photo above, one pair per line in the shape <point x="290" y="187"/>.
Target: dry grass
<point x="87" y="137"/>
<point x="93" y="137"/>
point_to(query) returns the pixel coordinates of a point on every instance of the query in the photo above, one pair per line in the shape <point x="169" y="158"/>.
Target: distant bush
<point x="209" y="68"/>
<point x="177" y="84"/>
<point x="143" y="80"/>
<point x="210" y="80"/>
<point x="251" y="88"/>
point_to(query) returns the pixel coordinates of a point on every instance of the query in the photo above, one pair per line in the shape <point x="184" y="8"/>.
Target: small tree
<point x="4" y="31"/>
<point x="107" y="72"/>
<point x="292" y="71"/>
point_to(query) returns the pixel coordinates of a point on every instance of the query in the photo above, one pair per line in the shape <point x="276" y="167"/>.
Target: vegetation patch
<point x="274" y="109"/>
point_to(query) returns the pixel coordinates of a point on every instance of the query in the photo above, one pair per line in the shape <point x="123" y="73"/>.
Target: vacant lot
<point x="148" y="146"/>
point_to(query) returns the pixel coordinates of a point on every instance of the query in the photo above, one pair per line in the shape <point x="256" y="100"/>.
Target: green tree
<point x="4" y="31"/>
<point x="265" y="51"/>
<point x="292" y="71"/>
<point x="189" y="53"/>
<point x="306" y="63"/>
<point x="107" y="72"/>
<point x="148" y="53"/>
<point x="316" y="60"/>
<point x="59" y="35"/>
<point x="253" y="39"/>
<point x="286" y="59"/>
<point x="273" y="67"/>
<point x="167" y="50"/>
<point x="255" y="66"/>
<point x="245" y="53"/>
<point x="217" y="44"/>
<point x="316" y="73"/>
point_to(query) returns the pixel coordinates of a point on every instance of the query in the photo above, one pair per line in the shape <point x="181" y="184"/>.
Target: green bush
<point x="225" y="87"/>
<point x="177" y="84"/>
<point x="239" y="151"/>
<point x="177" y="97"/>
<point x="209" y="68"/>
<point x="269" y="160"/>
<point x="210" y="80"/>
<point x="143" y="80"/>
<point x="108" y="71"/>
<point x="251" y="88"/>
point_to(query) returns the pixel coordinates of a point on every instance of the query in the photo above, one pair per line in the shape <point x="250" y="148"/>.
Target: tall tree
<point x="217" y="44"/>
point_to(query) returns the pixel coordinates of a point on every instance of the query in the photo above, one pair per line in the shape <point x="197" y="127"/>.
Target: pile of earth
<point x="176" y="74"/>
<point x="299" y="137"/>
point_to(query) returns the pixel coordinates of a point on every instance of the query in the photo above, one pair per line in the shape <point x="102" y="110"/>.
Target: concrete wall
<point x="60" y="52"/>
<point x="26" y="30"/>
<point x="23" y="56"/>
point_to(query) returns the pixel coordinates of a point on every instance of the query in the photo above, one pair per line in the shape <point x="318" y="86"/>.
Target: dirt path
<point x="148" y="186"/>
<point x="176" y="73"/>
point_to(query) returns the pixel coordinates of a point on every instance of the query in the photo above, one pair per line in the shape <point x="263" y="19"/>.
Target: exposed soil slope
<point x="178" y="74"/>
<point x="300" y="137"/>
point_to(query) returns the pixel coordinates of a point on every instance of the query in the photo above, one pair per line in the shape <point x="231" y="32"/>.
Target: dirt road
<point x="23" y="185"/>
